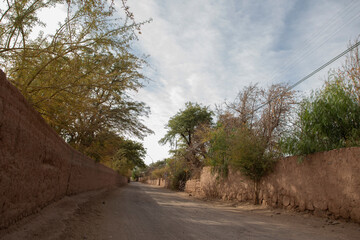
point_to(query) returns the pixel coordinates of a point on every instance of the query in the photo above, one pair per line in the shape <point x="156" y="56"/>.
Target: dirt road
<point x="146" y="212"/>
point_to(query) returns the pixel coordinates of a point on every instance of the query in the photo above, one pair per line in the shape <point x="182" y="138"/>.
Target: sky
<point x="206" y="51"/>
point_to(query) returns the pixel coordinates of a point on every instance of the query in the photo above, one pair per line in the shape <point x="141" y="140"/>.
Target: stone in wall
<point x="324" y="183"/>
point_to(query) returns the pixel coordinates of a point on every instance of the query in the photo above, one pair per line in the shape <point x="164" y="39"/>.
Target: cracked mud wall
<point x="36" y="166"/>
<point x="326" y="183"/>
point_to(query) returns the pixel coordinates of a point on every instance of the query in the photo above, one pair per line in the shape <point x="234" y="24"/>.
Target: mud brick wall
<point x="326" y="183"/>
<point x="36" y="166"/>
<point x="158" y="182"/>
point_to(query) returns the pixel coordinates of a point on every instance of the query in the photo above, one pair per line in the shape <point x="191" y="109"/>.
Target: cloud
<point x="206" y="51"/>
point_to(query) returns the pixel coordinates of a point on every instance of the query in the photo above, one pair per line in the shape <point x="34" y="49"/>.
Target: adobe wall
<point x="158" y="182"/>
<point x="36" y="166"/>
<point x="326" y="183"/>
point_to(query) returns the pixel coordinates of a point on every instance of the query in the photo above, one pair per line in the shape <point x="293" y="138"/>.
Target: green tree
<point x="183" y="125"/>
<point x="250" y="155"/>
<point x="182" y="128"/>
<point x="103" y="147"/>
<point x="174" y="170"/>
<point x="327" y="120"/>
<point x="219" y="155"/>
<point x="246" y="136"/>
<point x="80" y="77"/>
<point x="137" y="173"/>
<point x="177" y="172"/>
<point x="129" y="155"/>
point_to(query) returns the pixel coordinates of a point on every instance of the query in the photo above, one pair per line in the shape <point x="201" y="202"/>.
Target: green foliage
<point x="158" y="173"/>
<point x="184" y="124"/>
<point x="183" y="134"/>
<point x="103" y="146"/>
<point x="249" y="154"/>
<point x="174" y="170"/>
<point x="328" y="120"/>
<point x="157" y="164"/>
<point x="137" y="173"/>
<point x="129" y="156"/>
<point x="241" y="149"/>
<point x="245" y="139"/>
<point x="177" y="173"/>
<point x="80" y="77"/>
<point x="219" y="155"/>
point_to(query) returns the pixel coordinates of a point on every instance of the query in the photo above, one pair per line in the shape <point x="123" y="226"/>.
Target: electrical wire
<point x="311" y="74"/>
<point x="324" y="33"/>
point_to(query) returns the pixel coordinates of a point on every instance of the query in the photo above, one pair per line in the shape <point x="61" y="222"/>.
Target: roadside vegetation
<point x="262" y="125"/>
<point x="330" y="117"/>
<point x="79" y="78"/>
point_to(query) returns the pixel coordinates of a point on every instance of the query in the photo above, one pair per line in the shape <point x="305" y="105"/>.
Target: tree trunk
<point x="256" y="192"/>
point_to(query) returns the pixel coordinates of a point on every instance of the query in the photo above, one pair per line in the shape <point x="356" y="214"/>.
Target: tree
<point x="129" y="155"/>
<point x="247" y="132"/>
<point x="137" y="173"/>
<point x="218" y="155"/>
<point x="250" y="154"/>
<point x="103" y="147"/>
<point x="327" y="120"/>
<point x="177" y="172"/>
<point x="80" y="77"/>
<point x="182" y="128"/>
<point x="349" y="73"/>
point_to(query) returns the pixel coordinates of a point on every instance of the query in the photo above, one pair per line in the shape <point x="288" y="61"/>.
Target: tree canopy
<point x="130" y="154"/>
<point x="182" y="133"/>
<point x="80" y="77"/>
<point x="245" y="139"/>
<point x="182" y="125"/>
<point x="329" y="119"/>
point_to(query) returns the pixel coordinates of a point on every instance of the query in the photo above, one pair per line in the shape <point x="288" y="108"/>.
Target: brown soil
<point x="146" y="212"/>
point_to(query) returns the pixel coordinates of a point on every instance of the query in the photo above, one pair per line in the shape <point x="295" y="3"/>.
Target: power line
<point x="311" y="74"/>
<point x="323" y="30"/>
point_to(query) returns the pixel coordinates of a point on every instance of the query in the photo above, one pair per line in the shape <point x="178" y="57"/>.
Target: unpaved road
<point x="146" y="212"/>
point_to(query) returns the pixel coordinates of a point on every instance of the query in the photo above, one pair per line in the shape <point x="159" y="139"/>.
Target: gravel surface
<point x="140" y="211"/>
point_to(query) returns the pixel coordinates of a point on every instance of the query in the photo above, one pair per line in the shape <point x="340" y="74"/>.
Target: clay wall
<point x="36" y="166"/>
<point x="326" y="183"/>
<point x="158" y="182"/>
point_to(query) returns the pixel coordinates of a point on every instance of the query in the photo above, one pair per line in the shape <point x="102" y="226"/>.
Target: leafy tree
<point x="158" y="173"/>
<point x="103" y="147"/>
<point x="177" y="172"/>
<point x="219" y="155"/>
<point x="174" y="170"/>
<point x="329" y="119"/>
<point x="80" y="77"/>
<point x="246" y="136"/>
<point x="129" y="156"/>
<point x="182" y="128"/>
<point x="249" y="153"/>
<point x="183" y="125"/>
<point x="137" y="172"/>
